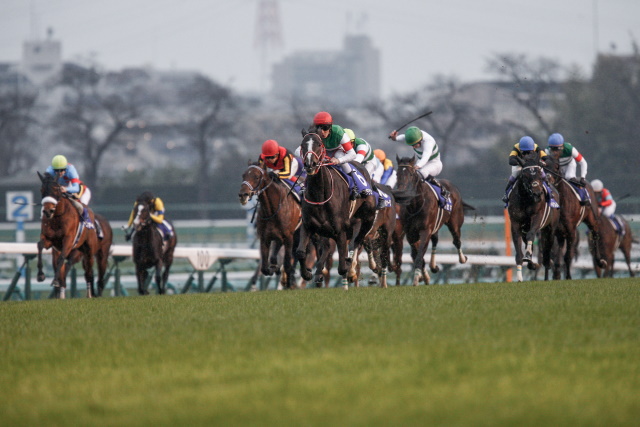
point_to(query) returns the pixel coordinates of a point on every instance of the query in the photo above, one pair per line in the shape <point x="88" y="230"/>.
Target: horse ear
<point x="41" y="177"/>
<point x="397" y="160"/>
<point x="249" y="162"/>
<point x="303" y="132"/>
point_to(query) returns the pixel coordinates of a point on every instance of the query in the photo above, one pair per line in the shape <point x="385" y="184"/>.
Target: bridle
<point x="317" y="161"/>
<point x="414" y="183"/>
<point x="535" y="181"/>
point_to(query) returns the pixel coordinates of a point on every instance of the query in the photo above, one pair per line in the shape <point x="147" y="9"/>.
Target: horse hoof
<point x="466" y="258"/>
<point x="532" y="265"/>
<point x="41" y="277"/>
<point x="603" y="263"/>
<point x="435" y="269"/>
<point x="306" y="274"/>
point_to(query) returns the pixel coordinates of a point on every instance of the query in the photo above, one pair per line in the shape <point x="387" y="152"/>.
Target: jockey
<point x="605" y="202"/>
<point x="429" y="164"/>
<point x="364" y="156"/>
<point x="157" y="215"/>
<point x="525" y="146"/>
<point x="389" y="176"/>
<point x="340" y="149"/>
<point x="280" y="160"/>
<point x="567" y="158"/>
<point x="70" y="183"/>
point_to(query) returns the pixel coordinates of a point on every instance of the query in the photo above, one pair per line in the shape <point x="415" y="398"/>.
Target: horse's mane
<point x="404" y="196"/>
<point x="531" y="159"/>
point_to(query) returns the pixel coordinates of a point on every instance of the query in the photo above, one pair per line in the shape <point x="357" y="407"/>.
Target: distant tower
<point x="268" y="36"/>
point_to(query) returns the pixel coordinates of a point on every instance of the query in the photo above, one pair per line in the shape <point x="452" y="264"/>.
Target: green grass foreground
<point x="555" y="353"/>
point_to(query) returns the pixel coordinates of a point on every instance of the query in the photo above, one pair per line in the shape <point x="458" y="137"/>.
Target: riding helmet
<point x="527" y="144"/>
<point x="556" y="140"/>
<point x="413" y="135"/>
<point x="350" y="134"/>
<point x="380" y="154"/>
<point x="59" y="162"/>
<point x="270" y="148"/>
<point x="597" y="185"/>
<point x="322" y="118"/>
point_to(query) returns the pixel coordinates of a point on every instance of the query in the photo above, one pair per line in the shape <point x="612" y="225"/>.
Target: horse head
<point x="254" y="180"/>
<point x="408" y="177"/>
<point x="51" y="192"/>
<point x="313" y="152"/>
<point x="532" y="177"/>
<point x="142" y="210"/>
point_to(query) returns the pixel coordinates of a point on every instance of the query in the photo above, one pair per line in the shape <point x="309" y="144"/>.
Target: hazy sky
<point x="417" y="38"/>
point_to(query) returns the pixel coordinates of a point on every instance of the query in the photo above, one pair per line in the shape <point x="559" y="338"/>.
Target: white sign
<point x="19" y="206"/>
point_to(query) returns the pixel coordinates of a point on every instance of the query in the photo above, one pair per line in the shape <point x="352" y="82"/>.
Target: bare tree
<point x="532" y="84"/>
<point x="212" y="111"/>
<point x="17" y="124"/>
<point x="95" y="111"/>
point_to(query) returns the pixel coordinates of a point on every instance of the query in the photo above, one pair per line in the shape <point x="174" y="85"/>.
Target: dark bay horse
<point x="572" y="213"/>
<point x="278" y="216"/>
<point x="63" y="230"/>
<point x="529" y="214"/>
<point x="151" y="249"/>
<point x="327" y="210"/>
<point x="608" y="243"/>
<point x="422" y="217"/>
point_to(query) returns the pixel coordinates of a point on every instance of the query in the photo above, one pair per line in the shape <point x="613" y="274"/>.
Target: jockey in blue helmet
<point x="525" y="146"/>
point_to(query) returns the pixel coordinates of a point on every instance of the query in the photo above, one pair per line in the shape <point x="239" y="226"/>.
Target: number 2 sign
<point x="19" y="206"/>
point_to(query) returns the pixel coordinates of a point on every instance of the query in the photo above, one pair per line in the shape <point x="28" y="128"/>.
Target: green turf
<point x="555" y="353"/>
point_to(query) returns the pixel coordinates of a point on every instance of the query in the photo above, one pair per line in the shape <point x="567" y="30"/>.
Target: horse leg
<point x="288" y="264"/>
<point x="141" y="276"/>
<point x="546" y="240"/>
<point x="264" y="257"/>
<point x="157" y="276"/>
<point x="418" y="262"/>
<point x="41" y="245"/>
<point x="626" y="250"/>
<point x="276" y="244"/>
<point x="397" y="245"/>
<point x="434" y="244"/>
<point x="569" y="254"/>
<point x="87" y="265"/>
<point x="528" y="253"/>
<point x="301" y="254"/>
<point x="517" y="246"/>
<point x="454" y="229"/>
<point x="592" y="223"/>
<point x="341" y="246"/>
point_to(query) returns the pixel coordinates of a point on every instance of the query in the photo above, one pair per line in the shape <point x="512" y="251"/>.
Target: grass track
<point x="554" y="353"/>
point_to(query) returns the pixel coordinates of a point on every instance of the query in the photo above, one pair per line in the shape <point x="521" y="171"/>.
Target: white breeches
<point x="338" y="154"/>
<point x="375" y="169"/>
<point x="609" y="210"/>
<point x="393" y="179"/>
<point x="433" y="168"/>
<point x="569" y="170"/>
<point x="86" y="196"/>
<point x="515" y="171"/>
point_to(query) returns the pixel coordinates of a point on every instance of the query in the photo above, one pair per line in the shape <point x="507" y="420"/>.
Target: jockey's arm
<point x="361" y="151"/>
<point x="429" y="147"/>
<point x="386" y="174"/>
<point x="350" y="153"/>
<point x="285" y="172"/>
<point x="513" y="160"/>
<point x="581" y="161"/>
<point x="74" y="179"/>
<point x="158" y="215"/>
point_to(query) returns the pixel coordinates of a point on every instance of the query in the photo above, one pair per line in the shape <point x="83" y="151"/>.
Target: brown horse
<point x="422" y="216"/>
<point x="609" y="241"/>
<point x="397" y="246"/>
<point x="530" y="213"/>
<point x="572" y="213"/>
<point x="327" y="210"/>
<point x="278" y="217"/>
<point x="151" y="249"/>
<point x="63" y="230"/>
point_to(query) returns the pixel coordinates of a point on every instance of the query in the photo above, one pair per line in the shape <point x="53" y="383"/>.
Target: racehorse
<point x="422" y="216"/>
<point x="63" y="230"/>
<point x="572" y="213"/>
<point x="609" y="241"/>
<point x="397" y="246"/>
<point x="327" y="210"/>
<point x="151" y="249"/>
<point x="278" y="217"/>
<point x="529" y="214"/>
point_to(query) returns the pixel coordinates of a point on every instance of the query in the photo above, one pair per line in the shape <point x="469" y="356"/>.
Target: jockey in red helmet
<point x="280" y="160"/>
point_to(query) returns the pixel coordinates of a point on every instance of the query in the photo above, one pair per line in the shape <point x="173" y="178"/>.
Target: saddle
<point x="617" y="221"/>
<point x="580" y="191"/>
<point x="443" y="202"/>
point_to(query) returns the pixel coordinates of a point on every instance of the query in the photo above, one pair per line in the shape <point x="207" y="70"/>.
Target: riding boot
<point x="617" y="224"/>
<point x="86" y="218"/>
<point x="507" y="190"/>
<point x="432" y="180"/>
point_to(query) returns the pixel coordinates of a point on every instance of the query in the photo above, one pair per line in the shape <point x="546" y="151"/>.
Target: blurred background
<point x="177" y="96"/>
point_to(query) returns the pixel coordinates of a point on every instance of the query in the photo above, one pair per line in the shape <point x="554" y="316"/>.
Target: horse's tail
<point x="467" y="207"/>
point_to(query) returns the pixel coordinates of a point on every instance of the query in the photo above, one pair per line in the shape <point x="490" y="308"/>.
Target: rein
<point x="330" y="195"/>
<point x="417" y="180"/>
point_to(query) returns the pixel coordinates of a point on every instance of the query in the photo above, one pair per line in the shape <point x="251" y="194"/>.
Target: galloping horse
<point x="572" y="213"/>
<point x="150" y="249"/>
<point x="422" y="216"/>
<point x="530" y="213"/>
<point x="278" y="217"/>
<point x="63" y="230"/>
<point x="327" y="210"/>
<point x="607" y="244"/>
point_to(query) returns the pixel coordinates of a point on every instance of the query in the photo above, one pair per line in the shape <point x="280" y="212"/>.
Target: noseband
<point x="259" y="188"/>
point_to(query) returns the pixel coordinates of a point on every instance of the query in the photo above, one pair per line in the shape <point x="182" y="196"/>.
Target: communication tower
<point x="268" y="36"/>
